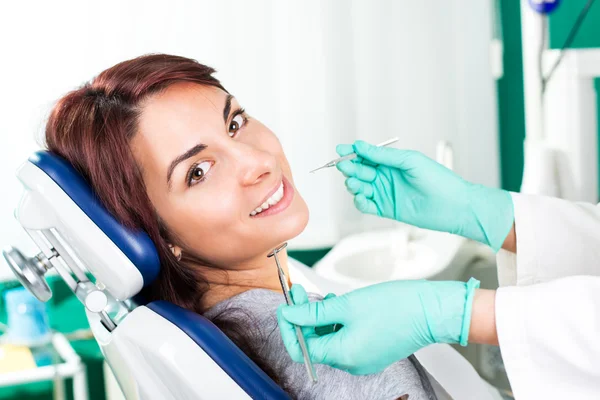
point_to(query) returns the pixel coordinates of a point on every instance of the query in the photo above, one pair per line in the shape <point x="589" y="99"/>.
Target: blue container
<point x="27" y="319"/>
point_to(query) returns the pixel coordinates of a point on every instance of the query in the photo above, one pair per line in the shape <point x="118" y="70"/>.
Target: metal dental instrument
<point x="352" y="156"/>
<point x="290" y="302"/>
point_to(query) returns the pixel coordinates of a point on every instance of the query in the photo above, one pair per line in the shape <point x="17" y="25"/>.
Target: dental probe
<point x="290" y="302"/>
<point x="352" y="156"/>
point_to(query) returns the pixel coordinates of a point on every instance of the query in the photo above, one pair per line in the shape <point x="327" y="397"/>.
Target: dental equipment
<point x="154" y="348"/>
<point x="352" y="156"/>
<point x="290" y="302"/>
<point x="30" y="271"/>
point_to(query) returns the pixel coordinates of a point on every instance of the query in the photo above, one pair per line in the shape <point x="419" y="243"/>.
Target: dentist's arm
<point x="483" y="318"/>
<point x="510" y="243"/>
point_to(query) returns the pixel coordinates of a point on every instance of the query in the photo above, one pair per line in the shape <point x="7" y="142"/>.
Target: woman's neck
<point x="256" y="274"/>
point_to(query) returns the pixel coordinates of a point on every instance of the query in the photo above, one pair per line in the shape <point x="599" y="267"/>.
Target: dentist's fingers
<point x="389" y="156"/>
<point x="346" y="168"/>
<point x="299" y="294"/>
<point x="344" y="149"/>
<point x="361" y="171"/>
<point x="288" y="335"/>
<point x="356" y="186"/>
<point x="288" y="330"/>
<point x="320" y="349"/>
<point x="327" y="329"/>
<point x="325" y="312"/>
<point x="365" y="205"/>
<point x="318" y="346"/>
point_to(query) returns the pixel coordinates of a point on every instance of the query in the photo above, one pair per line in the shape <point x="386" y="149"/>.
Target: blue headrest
<point x="136" y="245"/>
<point x="222" y="350"/>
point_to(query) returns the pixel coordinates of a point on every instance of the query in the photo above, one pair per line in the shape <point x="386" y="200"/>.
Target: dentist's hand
<point x="382" y="324"/>
<point x="409" y="187"/>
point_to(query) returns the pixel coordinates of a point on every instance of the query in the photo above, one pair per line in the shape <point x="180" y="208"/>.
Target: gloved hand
<point x="382" y="324"/>
<point x="409" y="187"/>
<point x="288" y="330"/>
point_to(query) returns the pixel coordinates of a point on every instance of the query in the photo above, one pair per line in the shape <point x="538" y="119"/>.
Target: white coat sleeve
<point x="555" y="238"/>
<point x="549" y="338"/>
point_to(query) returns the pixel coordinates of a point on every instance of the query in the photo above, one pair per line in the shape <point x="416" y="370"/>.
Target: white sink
<point x="404" y="253"/>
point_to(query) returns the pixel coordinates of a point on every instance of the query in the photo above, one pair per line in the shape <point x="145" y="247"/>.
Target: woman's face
<point x="210" y="169"/>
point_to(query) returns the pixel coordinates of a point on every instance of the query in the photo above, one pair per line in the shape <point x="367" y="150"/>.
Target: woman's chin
<point x="301" y="216"/>
<point x="294" y="223"/>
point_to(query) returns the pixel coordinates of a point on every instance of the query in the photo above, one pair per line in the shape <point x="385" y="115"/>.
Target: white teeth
<point x="277" y="196"/>
<point x="271" y="201"/>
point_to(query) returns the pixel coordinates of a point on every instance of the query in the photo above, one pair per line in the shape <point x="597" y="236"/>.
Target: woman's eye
<point x="198" y="172"/>
<point x="236" y="123"/>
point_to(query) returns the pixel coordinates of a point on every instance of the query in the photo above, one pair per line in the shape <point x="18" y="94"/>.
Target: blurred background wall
<point x="316" y="72"/>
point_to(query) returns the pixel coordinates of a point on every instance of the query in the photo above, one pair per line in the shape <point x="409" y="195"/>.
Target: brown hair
<point x="91" y="128"/>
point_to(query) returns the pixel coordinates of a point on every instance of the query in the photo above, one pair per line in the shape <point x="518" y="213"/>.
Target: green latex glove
<point x="409" y="187"/>
<point x="382" y="324"/>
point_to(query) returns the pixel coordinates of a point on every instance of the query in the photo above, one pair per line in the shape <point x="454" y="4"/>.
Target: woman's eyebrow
<point x="199" y="147"/>
<point x="227" y="108"/>
<point x="190" y="153"/>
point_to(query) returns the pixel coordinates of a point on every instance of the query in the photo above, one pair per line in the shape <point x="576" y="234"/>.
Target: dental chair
<point x="156" y="350"/>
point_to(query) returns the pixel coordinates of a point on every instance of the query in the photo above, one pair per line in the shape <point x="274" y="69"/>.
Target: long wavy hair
<point x="91" y="127"/>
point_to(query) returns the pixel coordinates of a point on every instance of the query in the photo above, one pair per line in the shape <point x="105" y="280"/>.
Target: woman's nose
<point x="255" y="166"/>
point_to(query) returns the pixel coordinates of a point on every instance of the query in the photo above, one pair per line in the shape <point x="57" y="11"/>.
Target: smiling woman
<point x="168" y="150"/>
<point x="210" y="172"/>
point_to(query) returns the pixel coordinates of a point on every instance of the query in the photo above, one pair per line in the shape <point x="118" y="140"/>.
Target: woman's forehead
<point x="177" y="119"/>
<point x="186" y="98"/>
<point x="183" y="109"/>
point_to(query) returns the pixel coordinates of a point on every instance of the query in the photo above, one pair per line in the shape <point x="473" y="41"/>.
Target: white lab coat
<point x="549" y="323"/>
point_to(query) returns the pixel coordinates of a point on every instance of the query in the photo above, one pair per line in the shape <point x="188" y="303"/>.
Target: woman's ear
<point x="176" y="250"/>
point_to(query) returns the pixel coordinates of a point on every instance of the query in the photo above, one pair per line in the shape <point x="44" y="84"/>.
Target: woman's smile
<point x="277" y="201"/>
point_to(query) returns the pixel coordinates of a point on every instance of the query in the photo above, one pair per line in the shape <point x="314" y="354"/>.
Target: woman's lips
<point x="286" y="200"/>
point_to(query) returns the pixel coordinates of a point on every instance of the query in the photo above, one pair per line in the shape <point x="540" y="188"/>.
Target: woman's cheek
<point x="221" y="211"/>
<point x="266" y="140"/>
